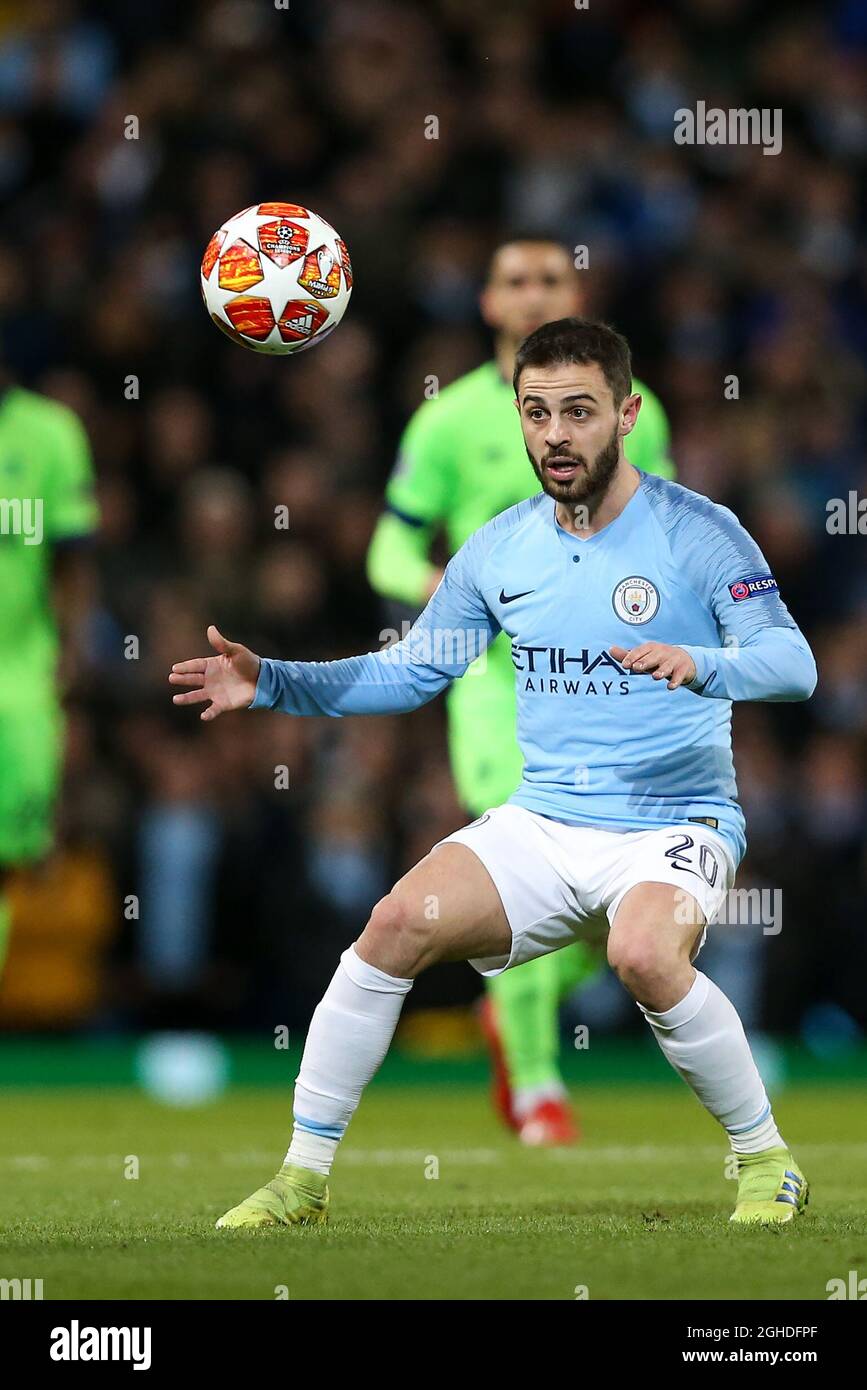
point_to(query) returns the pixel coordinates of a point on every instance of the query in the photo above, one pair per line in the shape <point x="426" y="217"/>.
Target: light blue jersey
<point x="602" y="746"/>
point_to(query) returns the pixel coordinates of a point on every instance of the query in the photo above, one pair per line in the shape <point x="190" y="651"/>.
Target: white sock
<point x="349" y="1035"/>
<point x="704" y="1041"/>
<point x="526" y="1098"/>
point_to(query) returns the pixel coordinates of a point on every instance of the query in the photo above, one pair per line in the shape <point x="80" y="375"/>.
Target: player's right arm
<point x="398" y="563"/>
<point x="417" y="499"/>
<point x="454" y="629"/>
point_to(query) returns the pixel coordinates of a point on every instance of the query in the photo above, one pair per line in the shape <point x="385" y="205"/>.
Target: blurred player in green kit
<point x="47" y="507"/>
<point x="461" y="461"/>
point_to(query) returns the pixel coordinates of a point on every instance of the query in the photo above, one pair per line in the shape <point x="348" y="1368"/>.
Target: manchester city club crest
<point x="635" y="600"/>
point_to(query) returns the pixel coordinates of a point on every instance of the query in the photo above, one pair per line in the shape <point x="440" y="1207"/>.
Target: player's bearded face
<point x="591" y="480"/>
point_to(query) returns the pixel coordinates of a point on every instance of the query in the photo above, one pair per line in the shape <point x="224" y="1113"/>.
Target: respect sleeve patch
<point x="753" y="586"/>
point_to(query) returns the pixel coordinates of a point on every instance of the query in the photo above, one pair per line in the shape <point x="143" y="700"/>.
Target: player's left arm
<point x="763" y="655"/>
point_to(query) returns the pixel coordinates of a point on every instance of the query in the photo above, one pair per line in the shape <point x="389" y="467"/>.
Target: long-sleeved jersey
<point x="601" y="745"/>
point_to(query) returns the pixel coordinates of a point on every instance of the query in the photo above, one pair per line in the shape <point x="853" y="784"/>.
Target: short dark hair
<point x="578" y="340"/>
<point x="522" y="235"/>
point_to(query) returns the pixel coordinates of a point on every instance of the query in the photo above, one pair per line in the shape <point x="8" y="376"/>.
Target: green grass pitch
<point x="639" y="1210"/>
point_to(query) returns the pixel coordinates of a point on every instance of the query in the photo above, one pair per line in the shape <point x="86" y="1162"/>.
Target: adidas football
<point x="276" y="278"/>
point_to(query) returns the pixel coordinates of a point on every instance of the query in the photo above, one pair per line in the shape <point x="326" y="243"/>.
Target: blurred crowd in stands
<point x="255" y="846"/>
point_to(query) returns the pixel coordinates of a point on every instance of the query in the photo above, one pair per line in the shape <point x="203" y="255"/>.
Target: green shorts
<point x="31" y="754"/>
<point x="483" y="745"/>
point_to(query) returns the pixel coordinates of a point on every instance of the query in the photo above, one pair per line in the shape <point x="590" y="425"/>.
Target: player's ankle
<point x="757" y="1138"/>
<point x="527" y="1098"/>
<point x="313" y="1152"/>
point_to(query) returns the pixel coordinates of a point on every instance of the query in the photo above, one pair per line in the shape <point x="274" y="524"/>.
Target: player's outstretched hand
<point x="659" y="660"/>
<point x="227" y="680"/>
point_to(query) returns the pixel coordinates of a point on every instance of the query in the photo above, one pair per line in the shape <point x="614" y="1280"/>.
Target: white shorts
<point x="563" y="883"/>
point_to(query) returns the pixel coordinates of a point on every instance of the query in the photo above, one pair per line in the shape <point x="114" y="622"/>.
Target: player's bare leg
<point x="650" y="946"/>
<point x="445" y="908"/>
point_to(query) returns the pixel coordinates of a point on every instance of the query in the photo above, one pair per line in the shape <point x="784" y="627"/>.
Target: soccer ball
<point x="276" y="278"/>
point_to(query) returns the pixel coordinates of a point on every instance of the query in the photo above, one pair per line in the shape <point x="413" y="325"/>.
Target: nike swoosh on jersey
<point x="510" y="598"/>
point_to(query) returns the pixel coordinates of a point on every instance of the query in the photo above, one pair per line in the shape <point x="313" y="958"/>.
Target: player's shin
<point x="704" y="1040"/>
<point x="349" y="1035"/>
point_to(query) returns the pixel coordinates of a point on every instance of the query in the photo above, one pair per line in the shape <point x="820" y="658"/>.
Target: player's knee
<point x="641" y="959"/>
<point x="398" y="935"/>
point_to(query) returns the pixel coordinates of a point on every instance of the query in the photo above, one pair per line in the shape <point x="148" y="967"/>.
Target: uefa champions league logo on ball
<point x="265" y="273"/>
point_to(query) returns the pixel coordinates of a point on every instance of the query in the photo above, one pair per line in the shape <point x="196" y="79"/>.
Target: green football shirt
<point x="46" y="496"/>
